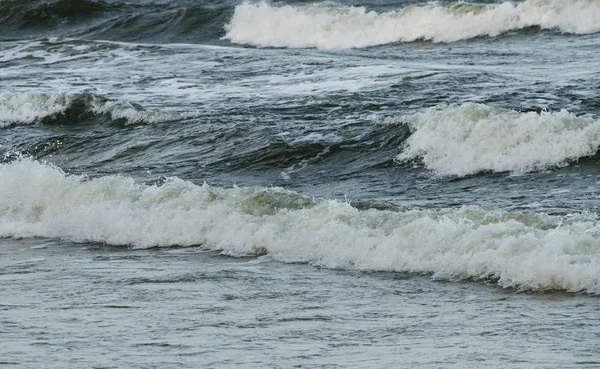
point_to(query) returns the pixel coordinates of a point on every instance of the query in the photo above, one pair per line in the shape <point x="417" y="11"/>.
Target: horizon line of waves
<point x="329" y="25"/>
<point x="460" y="140"/>
<point x="529" y="251"/>
<point x="47" y="108"/>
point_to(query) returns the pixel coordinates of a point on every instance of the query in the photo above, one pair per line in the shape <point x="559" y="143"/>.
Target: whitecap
<point x="531" y="251"/>
<point x="470" y="138"/>
<point x="328" y="25"/>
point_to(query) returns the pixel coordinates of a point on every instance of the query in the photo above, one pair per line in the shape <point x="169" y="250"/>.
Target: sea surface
<point x="352" y="184"/>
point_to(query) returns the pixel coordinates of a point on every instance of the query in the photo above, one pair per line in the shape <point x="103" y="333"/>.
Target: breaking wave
<point x="465" y="139"/>
<point x="329" y="25"/>
<point x="531" y="251"/>
<point x="33" y="107"/>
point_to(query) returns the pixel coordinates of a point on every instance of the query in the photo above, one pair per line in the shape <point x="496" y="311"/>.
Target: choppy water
<point x="354" y="184"/>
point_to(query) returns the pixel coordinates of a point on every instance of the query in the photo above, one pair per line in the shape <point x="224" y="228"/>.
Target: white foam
<point x="525" y="250"/>
<point x="316" y="137"/>
<point x="28" y="107"/>
<point x="331" y="26"/>
<point x="469" y="138"/>
<point x="31" y="107"/>
<point x="290" y="83"/>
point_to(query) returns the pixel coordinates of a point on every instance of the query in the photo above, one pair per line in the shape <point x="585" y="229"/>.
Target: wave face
<point x="465" y="139"/>
<point x="27" y="14"/>
<point x="34" y="107"/>
<point x="524" y="250"/>
<point x="158" y="21"/>
<point x="332" y="26"/>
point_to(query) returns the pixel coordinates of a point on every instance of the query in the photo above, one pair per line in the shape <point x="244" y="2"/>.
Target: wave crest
<point x="332" y="26"/>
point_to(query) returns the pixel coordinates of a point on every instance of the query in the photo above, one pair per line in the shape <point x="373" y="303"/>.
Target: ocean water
<point x="346" y="184"/>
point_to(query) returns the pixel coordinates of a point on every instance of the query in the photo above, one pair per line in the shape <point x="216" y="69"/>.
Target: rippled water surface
<point x="188" y="307"/>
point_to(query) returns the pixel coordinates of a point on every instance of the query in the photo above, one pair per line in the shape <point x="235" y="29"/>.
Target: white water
<point x="469" y="138"/>
<point x="524" y="250"/>
<point x="332" y="26"/>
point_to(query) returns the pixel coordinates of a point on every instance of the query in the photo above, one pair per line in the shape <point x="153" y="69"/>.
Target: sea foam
<point x="329" y="25"/>
<point x="465" y="139"/>
<point x="531" y="251"/>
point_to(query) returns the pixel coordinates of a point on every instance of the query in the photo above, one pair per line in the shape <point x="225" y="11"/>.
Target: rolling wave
<point x="465" y="139"/>
<point x="329" y="25"/>
<point x="449" y="140"/>
<point x="530" y="251"/>
<point x="324" y="25"/>
<point x="47" y="108"/>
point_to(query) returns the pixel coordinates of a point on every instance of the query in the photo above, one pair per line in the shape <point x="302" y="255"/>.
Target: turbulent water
<point x="309" y="184"/>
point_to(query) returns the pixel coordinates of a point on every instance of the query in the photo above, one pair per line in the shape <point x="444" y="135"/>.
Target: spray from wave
<point x="465" y="139"/>
<point x="332" y="26"/>
<point x="28" y="107"/>
<point x="524" y="250"/>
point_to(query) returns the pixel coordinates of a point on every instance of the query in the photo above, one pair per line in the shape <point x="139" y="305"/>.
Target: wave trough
<point x="525" y="250"/>
<point x="332" y="26"/>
